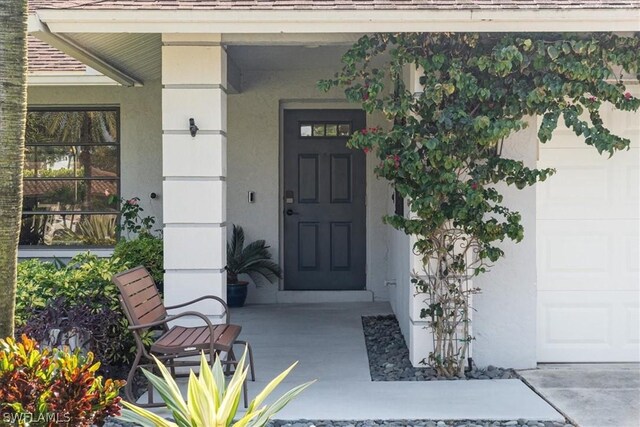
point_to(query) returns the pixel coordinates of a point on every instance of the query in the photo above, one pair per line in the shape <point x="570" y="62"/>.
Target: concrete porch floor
<point x="593" y="395"/>
<point x="328" y="341"/>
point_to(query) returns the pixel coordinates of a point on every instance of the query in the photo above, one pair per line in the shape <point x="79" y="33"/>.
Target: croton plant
<point x="52" y="387"/>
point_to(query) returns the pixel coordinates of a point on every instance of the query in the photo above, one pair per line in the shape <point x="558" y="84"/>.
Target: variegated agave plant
<point x="211" y="402"/>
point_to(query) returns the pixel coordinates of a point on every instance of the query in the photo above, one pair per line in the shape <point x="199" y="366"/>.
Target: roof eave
<point x="56" y="78"/>
<point x="40" y="29"/>
<point x="339" y="21"/>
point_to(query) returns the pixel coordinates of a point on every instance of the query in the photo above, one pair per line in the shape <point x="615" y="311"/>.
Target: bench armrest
<point x="170" y="318"/>
<point x="220" y="300"/>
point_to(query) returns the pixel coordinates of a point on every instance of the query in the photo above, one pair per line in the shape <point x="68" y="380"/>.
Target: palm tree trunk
<point x="13" y="110"/>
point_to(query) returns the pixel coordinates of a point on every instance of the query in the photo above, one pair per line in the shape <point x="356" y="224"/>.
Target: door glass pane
<point x="305" y="130"/>
<point x="344" y="130"/>
<point x="332" y="130"/>
<point x="318" y="130"/>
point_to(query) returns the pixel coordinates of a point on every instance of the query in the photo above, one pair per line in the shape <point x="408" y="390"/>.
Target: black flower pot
<point x="236" y="293"/>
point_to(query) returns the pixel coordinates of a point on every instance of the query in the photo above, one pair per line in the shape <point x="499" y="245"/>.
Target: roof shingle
<point x="330" y="4"/>
<point x="42" y="57"/>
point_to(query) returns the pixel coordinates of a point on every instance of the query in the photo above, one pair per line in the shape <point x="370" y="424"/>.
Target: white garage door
<point x="588" y="248"/>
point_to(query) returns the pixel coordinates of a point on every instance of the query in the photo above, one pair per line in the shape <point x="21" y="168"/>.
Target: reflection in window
<point x="325" y="130"/>
<point x="305" y="130"/>
<point x="71" y="177"/>
<point x="344" y="130"/>
<point x="318" y="130"/>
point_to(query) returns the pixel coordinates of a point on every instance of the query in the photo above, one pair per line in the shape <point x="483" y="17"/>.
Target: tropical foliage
<point x="212" y="402"/>
<point x="139" y="243"/>
<point x="145" y="250"/>
<point x="46" y="387"/>
<point x="133" y="223"/>
<point x="75" y="299"/>
<point x="442" y="148"/>
<point x="253" y="260"/>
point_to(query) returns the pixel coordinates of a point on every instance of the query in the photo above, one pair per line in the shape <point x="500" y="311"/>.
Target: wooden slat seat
<point x="145" y="310"/>
<point x="180" y="339"/>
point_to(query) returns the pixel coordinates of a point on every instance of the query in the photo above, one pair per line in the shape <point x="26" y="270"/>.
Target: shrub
<point x="442" y="149"/>
<point x="91" y="325"/>
<point x="145" y="250"/>
<point x="52" y="387"/>
<point x="212" y="402"/>
<point x="78" y="296"/>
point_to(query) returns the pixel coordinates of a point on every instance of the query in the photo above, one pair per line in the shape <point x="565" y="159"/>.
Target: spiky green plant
<point x="253" y="260"/>
<point x="92" y="230"/>
<point x="211" y="401"/>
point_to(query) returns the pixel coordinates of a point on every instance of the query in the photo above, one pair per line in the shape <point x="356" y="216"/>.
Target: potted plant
<point x="253" y="260"/>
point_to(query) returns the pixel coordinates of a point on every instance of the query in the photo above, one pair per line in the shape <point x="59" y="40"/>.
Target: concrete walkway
<point x="328" y="342"/>
<point x="593" y="395"/>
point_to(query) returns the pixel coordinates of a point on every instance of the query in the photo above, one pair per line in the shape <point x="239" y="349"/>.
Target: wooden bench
<point x="145" y="311"/>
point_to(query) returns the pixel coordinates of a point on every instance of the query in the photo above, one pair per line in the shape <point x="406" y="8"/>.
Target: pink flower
<point x="366" y="150"/>
<point x="396" y="160"/>
<point x="364" y="131"/>
<point x="474" y="185"/>
<point x="627" y="96"/>
<point x="132" y="202"/>
<point x="593" y="99"/>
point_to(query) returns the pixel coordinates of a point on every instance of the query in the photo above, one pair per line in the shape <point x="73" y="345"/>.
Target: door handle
<point x="290" y="212"/>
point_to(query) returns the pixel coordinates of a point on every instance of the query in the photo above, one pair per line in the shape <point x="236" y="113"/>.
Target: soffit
<point x="139" y="54"/>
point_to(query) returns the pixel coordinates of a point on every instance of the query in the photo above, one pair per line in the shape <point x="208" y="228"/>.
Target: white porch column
<point x="419" y="341"/>
<point x="194" y="79"/>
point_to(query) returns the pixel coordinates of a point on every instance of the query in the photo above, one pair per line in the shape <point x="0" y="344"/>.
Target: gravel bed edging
<point x="389" y="356"/>
<point x="392" y="423"/>
<point x="112" y="422"/>
<point x="417" y="423"/>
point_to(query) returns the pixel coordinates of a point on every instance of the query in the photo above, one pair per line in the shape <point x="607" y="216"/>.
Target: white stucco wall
<point x="140" y="135"/>
<point x="398" y="272"/>
<point x="253" y="150"/>
<point x="505" y="318"/>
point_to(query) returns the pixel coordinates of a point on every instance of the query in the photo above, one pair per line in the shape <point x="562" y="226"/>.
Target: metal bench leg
<point x="128" y="388"/>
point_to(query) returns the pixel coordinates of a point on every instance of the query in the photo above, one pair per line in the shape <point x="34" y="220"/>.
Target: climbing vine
<point x="442" y="147"/>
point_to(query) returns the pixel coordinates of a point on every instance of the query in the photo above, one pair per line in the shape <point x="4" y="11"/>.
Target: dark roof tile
<point x="42" y="57"/>
<point x="330" y="4"/>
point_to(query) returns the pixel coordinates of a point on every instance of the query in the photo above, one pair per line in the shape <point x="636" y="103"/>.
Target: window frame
<point x="324" y="123"/>
<point x="118" y="148"/>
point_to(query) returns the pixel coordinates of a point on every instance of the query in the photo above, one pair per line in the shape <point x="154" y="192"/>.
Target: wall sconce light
<point x="193" y="128"/>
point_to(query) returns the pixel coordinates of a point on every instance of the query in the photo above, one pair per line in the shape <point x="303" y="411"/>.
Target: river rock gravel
<point x="389" y="355"/>
<point x="418" y="423"/>
<point x="393" y="423"/>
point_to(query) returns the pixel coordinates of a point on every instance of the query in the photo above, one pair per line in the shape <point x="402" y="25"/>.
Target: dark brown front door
<point x="324" y="201"/>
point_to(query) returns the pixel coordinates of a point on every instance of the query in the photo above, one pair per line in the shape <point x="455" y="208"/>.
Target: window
<point x="71" y="177"/>
<point x="325" y="130"/>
